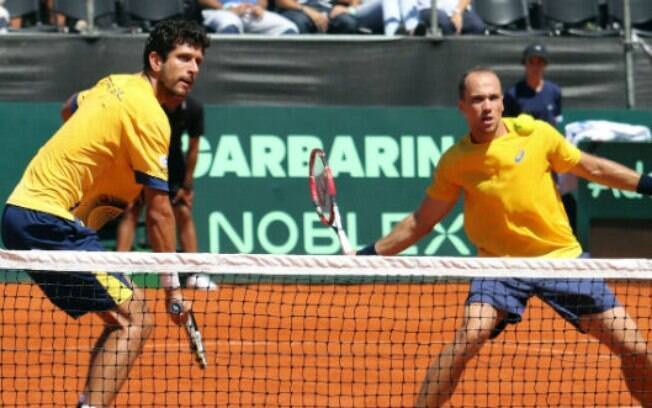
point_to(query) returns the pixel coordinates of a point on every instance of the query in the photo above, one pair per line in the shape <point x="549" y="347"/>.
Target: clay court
<point x="272" y="345"/>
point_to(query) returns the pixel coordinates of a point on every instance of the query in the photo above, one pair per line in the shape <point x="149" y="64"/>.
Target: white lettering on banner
<point x="230" y="158"/>
<point x="263" y="236"/>
<point x="269" y="152"/>
<point x="318" y="239"/>
<point x="381" y="155"/>
<point x="274" y="156"/>
<point x="299" y="147"/>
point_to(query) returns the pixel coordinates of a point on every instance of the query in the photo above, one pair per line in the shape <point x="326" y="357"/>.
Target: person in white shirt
<point x="453" y="17"/>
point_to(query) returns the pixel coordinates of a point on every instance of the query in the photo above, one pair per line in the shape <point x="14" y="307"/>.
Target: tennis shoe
<point x="200" y="281"/>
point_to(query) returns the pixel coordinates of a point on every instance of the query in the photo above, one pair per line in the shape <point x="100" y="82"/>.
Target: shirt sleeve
<point x="561" y="153"/>
<point x="148" y="143"/>
<point x="442" y="187"/>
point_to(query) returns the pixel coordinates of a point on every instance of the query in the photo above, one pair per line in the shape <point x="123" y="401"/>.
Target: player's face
<point x="179" y="71"/>
<point x="482" y="105"/>
<point x="535" y="66"/>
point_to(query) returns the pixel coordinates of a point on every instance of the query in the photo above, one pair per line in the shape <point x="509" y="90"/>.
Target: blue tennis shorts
<point x="571" y="298"/>
<point x="76" y="293"/>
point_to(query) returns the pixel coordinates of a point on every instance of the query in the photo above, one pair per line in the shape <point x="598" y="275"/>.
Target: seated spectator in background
<point x="389" y="17"/>
<point x="244" y="16"/>
<point x="45" y="14"/>
<point x="453" y="17"/>
<point x="319" y="16"/>
<point x="4" y="18"/>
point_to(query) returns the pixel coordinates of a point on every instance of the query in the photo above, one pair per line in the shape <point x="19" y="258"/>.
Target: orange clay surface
<point x="274" y="345"/>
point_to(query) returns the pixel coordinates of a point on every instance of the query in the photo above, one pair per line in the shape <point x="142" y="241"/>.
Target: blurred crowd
<point x="287" y="17"/>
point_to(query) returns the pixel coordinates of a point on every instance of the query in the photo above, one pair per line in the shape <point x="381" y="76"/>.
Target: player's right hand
<point x="178" y="309"/>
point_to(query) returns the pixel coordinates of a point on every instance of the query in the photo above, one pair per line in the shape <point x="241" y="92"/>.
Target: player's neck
<point x="166" y="98"/>
<point x="535" y="82"/>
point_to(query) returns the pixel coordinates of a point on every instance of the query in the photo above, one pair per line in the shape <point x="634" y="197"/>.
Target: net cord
<point x="330" y="265"/>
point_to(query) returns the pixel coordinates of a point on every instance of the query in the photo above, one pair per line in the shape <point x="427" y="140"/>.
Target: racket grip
<point x="347" y="249"/>
<point x="196" y="342"/>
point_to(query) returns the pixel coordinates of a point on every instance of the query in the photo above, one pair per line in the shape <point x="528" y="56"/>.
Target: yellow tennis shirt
<point x="96" y="163"/>
<point x="511" y="204"/>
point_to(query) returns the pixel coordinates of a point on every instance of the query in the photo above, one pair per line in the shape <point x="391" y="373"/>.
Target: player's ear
<point x="460" y="104"/>
<point x="155" y="61"/>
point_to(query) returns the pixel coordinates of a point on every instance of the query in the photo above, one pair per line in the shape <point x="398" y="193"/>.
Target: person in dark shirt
<point x="535" y="95"/>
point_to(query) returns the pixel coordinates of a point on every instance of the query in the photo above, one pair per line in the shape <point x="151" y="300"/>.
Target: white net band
<point x="336" y="265"/>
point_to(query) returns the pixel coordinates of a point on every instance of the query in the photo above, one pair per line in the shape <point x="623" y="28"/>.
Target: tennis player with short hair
<point x="113" y="144"/>
<point x="502" y="168"/>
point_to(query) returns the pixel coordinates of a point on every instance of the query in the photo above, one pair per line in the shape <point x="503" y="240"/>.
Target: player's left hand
<point x="184" y="196"/>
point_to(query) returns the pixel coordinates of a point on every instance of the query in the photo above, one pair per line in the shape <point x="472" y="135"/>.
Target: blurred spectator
<point x="389" y="17"/>
<point x="244" y="16"/>
<point x="44" y="15"/>
<point x="534" y="94"/>
<point x="4" y="18"/>
<point x="320" y="16"/>
<point x="453" y="17"/>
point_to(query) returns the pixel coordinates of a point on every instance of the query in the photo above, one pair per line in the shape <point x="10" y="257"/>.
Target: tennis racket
<point x="194" y="335"/>
<point x="322" y="193"/>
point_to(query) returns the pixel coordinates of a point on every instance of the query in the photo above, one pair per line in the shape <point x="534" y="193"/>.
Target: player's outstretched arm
<point x="411" y="229"/>
<point x="161" y="228"/>
<point x="612" y="174"/>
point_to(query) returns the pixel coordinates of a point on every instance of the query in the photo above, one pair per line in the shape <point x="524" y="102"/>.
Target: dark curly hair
<point x="167" y="34"/>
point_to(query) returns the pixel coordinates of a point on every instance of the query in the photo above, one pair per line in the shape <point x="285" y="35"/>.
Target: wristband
<point x="175" y="307"/>
<point x="368" y="250"/>
<point x="644" y="185"/>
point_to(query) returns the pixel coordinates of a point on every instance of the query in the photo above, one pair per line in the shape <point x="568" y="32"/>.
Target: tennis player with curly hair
<point x="113" y="144"/>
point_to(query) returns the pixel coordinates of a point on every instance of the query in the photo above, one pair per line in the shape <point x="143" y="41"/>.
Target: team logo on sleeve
<point x="163" y="161"/>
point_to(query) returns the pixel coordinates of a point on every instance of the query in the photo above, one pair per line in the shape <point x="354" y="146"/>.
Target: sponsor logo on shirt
<point x="519" y="156"/>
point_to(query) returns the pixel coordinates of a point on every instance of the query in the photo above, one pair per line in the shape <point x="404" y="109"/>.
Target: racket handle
<point x="347" y="249"/>
<point x="196" y="342"/>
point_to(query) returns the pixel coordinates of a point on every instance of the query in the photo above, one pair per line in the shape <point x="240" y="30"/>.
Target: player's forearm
<point x="405" y="234"/>
<point x="191" y="163"/>
<point x="159" y="220"/>
<point x="607" y="172"/>
<point x="161" y="234"/>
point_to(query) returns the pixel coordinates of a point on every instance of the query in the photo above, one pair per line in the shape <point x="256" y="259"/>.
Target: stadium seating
<point x="640" y="12"/>
<point x="149" y="12"/>
<point x="577" y="17"/>
<point x="23" y="8"/>
<point x="104" y="11"/>
<point x="507" y="17"/>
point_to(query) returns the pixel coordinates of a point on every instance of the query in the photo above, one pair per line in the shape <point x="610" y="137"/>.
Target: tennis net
<point x="316" y="331"/>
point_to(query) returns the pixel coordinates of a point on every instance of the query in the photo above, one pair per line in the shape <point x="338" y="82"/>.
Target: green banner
<point x="251" y="176"/>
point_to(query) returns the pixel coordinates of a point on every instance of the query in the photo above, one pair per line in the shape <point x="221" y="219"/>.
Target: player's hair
<point x="167" y="34"/>
<point x="461" y="85"/>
